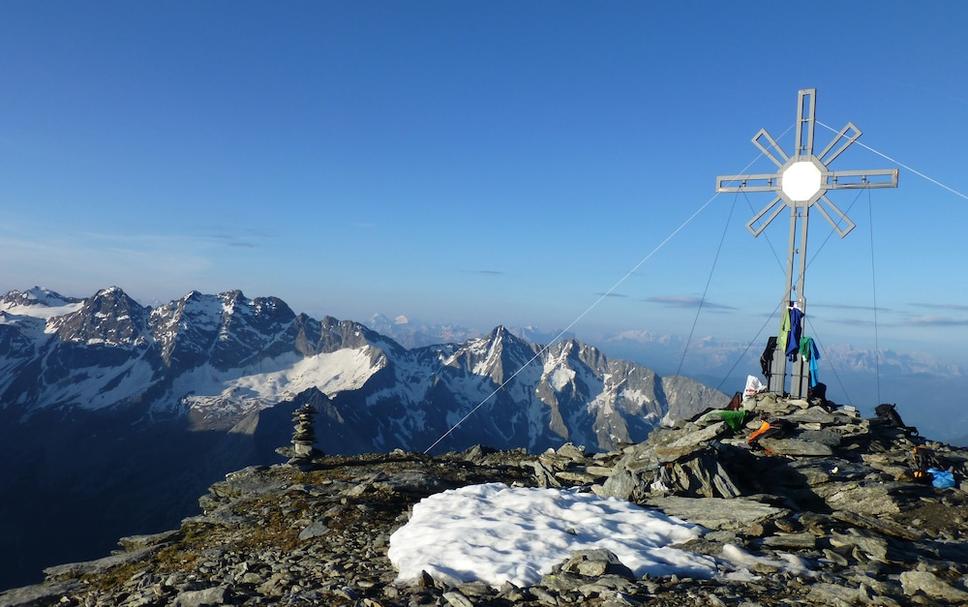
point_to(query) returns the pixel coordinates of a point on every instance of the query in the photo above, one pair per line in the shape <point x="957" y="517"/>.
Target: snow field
<point x="495" y="533"/>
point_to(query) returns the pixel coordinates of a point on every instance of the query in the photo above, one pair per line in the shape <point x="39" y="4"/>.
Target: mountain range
<point x="113" y="415"/>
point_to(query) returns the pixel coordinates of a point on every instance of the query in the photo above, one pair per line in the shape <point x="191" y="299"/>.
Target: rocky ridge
<point x="214" y="359"/>
<point x="834" y="489"/>
<point x="197" y="387"/>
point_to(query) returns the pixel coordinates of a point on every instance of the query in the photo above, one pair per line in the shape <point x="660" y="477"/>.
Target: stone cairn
<point x="303" y="437"/>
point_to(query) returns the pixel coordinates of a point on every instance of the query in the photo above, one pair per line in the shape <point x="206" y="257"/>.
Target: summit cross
<point x="801" y="182"/>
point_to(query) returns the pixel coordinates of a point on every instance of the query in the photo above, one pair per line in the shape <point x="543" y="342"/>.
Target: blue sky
<point x="477" y="163"/>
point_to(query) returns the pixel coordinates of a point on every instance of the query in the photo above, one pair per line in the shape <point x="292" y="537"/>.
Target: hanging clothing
<point x="781" y="339"/>
<point x="810" y="354"/>
<point x="766" y="358"/>
<point x="793" y="340"/>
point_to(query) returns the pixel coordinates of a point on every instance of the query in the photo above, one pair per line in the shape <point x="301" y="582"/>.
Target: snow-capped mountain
<point x="114" y="416"/>
<point x="38" y="303"/>
<point x="411" y="333"/>
<point x="218" y="358"/>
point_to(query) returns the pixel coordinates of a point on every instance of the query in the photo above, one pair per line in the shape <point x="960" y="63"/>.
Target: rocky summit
<point x="843" y="495"/>
<point x="115" y="415"/>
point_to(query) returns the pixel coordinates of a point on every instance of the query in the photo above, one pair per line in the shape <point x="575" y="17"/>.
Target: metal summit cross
<point x="801" y="182"/>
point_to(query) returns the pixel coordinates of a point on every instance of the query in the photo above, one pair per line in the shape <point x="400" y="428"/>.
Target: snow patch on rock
<point x="496" y="534"/>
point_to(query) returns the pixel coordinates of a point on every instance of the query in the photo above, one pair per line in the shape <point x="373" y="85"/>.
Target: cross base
<point x="800" y="376"/>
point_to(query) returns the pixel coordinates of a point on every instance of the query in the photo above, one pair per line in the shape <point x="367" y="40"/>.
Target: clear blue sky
<point x="474" y="162"/>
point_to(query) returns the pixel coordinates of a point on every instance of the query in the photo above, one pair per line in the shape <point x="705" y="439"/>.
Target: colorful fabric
<point x="781" y="339"/>
<point x="793" y="341"/>
<point x="764" y="426"/>
<point x="810" y="354"/>
<point x="734" y="419"/>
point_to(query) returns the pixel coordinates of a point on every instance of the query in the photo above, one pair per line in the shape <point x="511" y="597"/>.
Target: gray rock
<point x="456" y="598"/>
<point x="875" y="547"/>
<point x="817" y="471"/>
<point x="617" y="600"/>
<point x="562" y="581"/>
<point x="316" y="529"/>
<point x="834" y="557"/>
<point x="824" y="437"/>
<point x="100" y="565"/>
<point x="136" y="542"/>
<point x="717" y="513"/>
<point x="607" y="584"/>
<point x="795" y="446"/>
<point x="472" y="589"/>
<point x="933" y="586"/>
<point x="250" y="578"/>
<point x="476" y="453"/>
<point x="407" y="481"/>
<point x="689" y="442"/>
<point x="811" y="415"/>
<point x="599" y="471"/>
<point x="822" y="593"/>
<point x="794" y="541"/>
<point x="631" y="479"/>
<point x="572" y="452"/>
<point x="544" y="597"/>
<point x="201" y="598"/>
<point x="274" y="586"/>
<point x="595" y="563"/>
<point x="872" y="499"/>
<point x="39" y="594"/>
<point x="881" y="526"/>
<point x="545" y="477"/>
<point x="577" y="477"/>
<point x="702" y="475"/>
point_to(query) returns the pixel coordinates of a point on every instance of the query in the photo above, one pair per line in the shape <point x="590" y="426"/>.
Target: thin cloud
<point x="941" y="306"/>
<point x="231" y="240"/>
<point x="937" y="321"/>
<point x="615" y="295"/>
<point x="910" y="321"/>
<point x="139" y="241"/>
<point x="678" y="301"/>
<point x="839" y="306"/>
<point x="854" y="322"/>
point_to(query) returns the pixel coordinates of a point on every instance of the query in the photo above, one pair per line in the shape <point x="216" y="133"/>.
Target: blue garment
<point x="808" y="349"/>
<point x="793" y="341"/>
<point x="942" y="479"/>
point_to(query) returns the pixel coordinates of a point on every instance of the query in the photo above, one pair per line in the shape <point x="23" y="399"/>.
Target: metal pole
<point x="791" y="255"/>
<point x="800" y="381"/>
<point x="779" y="367"/>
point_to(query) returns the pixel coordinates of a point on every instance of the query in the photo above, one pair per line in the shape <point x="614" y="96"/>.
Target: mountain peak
<point x="37" y="295"/>
<point x="110" y="317"/>
<point x="232" y="295"/>
<point x="501" y="332"/>
<point x="37" y="302"/>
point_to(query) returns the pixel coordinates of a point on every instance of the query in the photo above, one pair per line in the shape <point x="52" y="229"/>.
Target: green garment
<point x="734" y="419"/>
<point x="806" y="345"/>
<point x="781" y="339"/>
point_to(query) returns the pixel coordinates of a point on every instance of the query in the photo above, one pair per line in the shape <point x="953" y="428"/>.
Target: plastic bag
<point x="942" y="479"/>
<point x="753" y="386"/>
